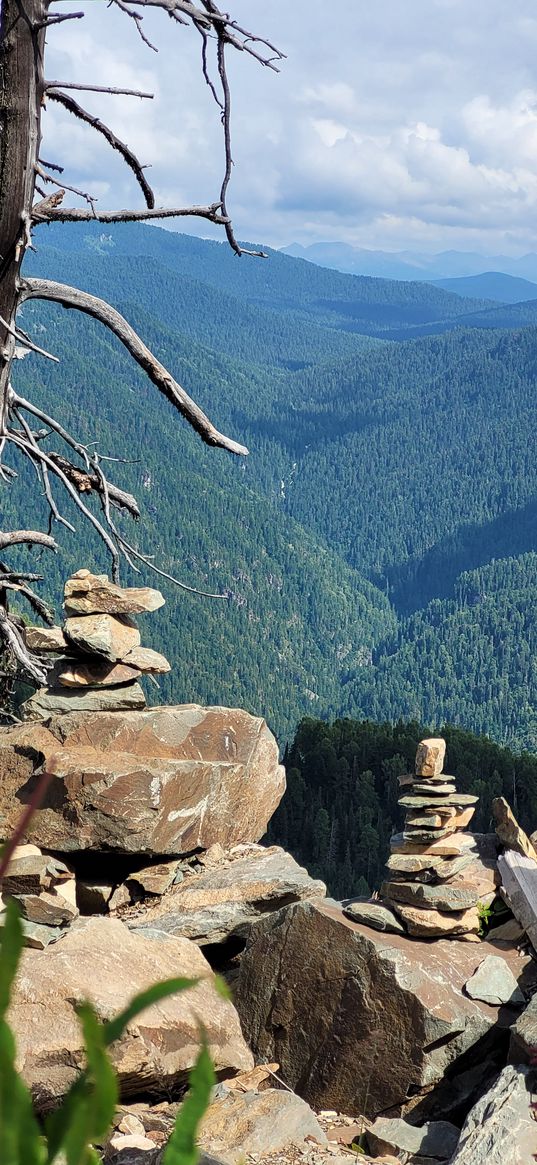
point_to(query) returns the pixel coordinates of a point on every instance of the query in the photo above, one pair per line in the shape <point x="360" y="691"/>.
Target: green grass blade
<point x="11" y="944"/>
<point x="102" y="1077"/>
<point x="115" y="1027"/>
<point x="20" y="1140"/>
<point x="182" y="1148"/>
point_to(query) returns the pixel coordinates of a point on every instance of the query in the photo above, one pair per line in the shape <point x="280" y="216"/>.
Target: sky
<point x="393" y="125"/>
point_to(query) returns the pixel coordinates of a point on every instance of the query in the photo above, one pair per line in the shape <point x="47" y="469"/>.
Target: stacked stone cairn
<point x="96" y="656"/>
<point x="431" y="890"/>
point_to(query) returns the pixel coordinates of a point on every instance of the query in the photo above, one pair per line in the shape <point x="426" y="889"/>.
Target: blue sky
<point x="393" y="125"/>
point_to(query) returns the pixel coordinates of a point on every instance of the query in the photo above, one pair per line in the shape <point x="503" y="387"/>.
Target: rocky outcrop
<point x="363" y="1022"/>
<point x="500" y="1129"/>
<point x="225" y="900"/>
<point x="101" y="960"/>
<point x="159" y="781"/>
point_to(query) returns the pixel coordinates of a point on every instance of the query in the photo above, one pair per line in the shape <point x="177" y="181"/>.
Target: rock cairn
<point x="97" y="657"/>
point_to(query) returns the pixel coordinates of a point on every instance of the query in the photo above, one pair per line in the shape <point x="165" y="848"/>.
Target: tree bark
<point x="22" y="40"/>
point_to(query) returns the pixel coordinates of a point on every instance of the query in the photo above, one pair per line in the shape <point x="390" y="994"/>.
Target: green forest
<point x="341" y="807"/>
<point x="376" y="554"/>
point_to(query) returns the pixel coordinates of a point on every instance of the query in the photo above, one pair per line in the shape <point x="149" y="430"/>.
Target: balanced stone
<point x="409" y="801"/>
<point x="48" y="701"/>
<point x="147" y="660"/>
<point x="440" y="868"/>
<point x="44" y="639"/>
<point x="92" y="594"/>
<point x="435" y="789"/>
<point x="425" y="835"/>
<point x="430" y="821"/>
<point x="430" y="757"/>
<point x="102" y="635"/>
<point x="445" y="896"/>
<point x="445" y="847"/>
<point x="374" y="914"/>
<point x="424" y="923"/>
<point x="97" y="674"/>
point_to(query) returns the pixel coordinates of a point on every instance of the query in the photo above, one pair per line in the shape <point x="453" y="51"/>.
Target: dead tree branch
<point x="49" y="213"/>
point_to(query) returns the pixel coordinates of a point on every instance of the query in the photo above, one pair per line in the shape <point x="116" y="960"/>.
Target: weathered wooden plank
<point x="519" y="884"/>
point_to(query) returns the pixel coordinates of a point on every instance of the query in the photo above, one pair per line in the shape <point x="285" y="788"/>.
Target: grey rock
<point x="261" y="1123"/>
<point x="446" y="896"/>
<point x="39" y="936"/>
<point x="409" y="801"/>
<point x="437" y="788"/>
<point x="510" y="931"/>
<point x="106" y="635"/>
<point x="374" y="914"/>
<point x="49" y="701"/>
<point x="524" y="1034"/>
<point x="493" y="982"/>
<point x="499" y="1129"/>
<point x="436" y="1140"/>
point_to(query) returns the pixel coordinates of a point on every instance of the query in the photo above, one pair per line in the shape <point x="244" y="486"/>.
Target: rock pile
<point x="429" y="891"/>
<point x="98" y="654"/>
<point x="45" y="890"/>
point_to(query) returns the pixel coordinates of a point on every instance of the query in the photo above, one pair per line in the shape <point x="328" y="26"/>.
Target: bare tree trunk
<point x="22" y="40"/>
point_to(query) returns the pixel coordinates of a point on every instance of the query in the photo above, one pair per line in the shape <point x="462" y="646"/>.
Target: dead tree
<point x="32" y="191"/>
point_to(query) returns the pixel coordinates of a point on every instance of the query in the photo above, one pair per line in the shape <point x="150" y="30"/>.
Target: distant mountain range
<point x="413" y="264"/>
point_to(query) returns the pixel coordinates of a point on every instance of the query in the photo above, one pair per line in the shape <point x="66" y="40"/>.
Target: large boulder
<point x="101" y="960"/>
<point x="227" y="899"/>
<point x="238" y="1124"/>
<point x="366" y="1022"/>
<point x="165" y="780"/>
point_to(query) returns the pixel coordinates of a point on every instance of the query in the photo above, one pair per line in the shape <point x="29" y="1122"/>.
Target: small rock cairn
<point x="99" y="657"/>
<point x="429" y="891"/>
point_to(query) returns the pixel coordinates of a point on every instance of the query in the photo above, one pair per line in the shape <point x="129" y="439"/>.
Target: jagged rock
<point x="166" y="780"/>
<point x="104" y="635"/>
<point x="493" y="982"/>
<point x="93" y="594"/>
<point x="374" y="914"/>
<point x="47" y="702"/>
<point x="45" y="639"/>
<point x="430" y="756"/>
<point x="78" y="674"/>
<point x="260" y="1123"/>
<point x="409" y="801"/>
<point x="222" y="900"/>
<point x="101" y="960"/>
<point x="524" y="1034"/>
<point x="32" y="873"/>
<point x="359" y="1021"/>
<point x="48" y="909"/>
<point x="423" y="922"/>
<point x="147" y="660"/>
<point x="509" y="831"/>
<point x="155" y="879"/>
<point x="446" y="896"/>
<point x="436" y="1140"/>
<point x="500" y="1129"/>
<point x="93" y="897"/>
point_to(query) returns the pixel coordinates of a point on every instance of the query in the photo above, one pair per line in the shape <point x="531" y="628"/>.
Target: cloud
<point x="389" y="125"/>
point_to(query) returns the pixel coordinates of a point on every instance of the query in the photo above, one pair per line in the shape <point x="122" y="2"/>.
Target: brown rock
<point x="161" y="781"/>
<point x="448" y="846"/>
<point x="509" y="831"/>
<point x="431" y="821"/>
<point x="433" y="788"/>
<point x="93" y="594"/>
<point x="446" y="896"/>
<point x="441" y="868"/>
<point x="96" y="675"/>
<point x="102" y="635"/>
<point x="228" y="899"/>
<point x="430" y="757"/>
<point x="44" y="639"/>
<point x="361" y="1021"/>
<point x="425" y="835"/>
<point x="422" y="922"/>
<point x="48" y="909"/>
<point x="147" y="660"/>
<point x="260" y="1123"/>
<point x="409" y="801"/>
<point x="100" y="960"/>
<point x="155" y="879"/>
<point x="47" y="702"/>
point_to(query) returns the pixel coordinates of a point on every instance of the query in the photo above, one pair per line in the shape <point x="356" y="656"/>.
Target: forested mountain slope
<point x="380" y="472"/>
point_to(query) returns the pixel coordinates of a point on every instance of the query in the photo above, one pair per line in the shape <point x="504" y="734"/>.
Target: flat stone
<point x="47" y="909"/>
<point x="430" y="756"/>
<point x="39" y="936"/>
<point x="493" y="982"/>
<point x="47" y="702"/>
<point x="101" y="960"/>
<point x="430" y="821"/>
<point x="44" y="639"/>
<point x="436" y="1139"/>
<point x="147" y="660"/>
<point x="426" y="923"/>
<point x="164" y="781"/>
<point x="96" y="674"/>
<point x="509" y="831"/>
<point x="457" y="799"/>
<point x="425" y="835"/>
<point x="500" y="1129"/>
<point x="27" y="875"/>
<point x="362" y="1021"/>
<point x="93" y="594"/>
<point x="104" y="635"/>
<point x="155" y="879"/>
<point x="440" y="868"/>
<point x="446" y="896"/>
<point x="433" y="790"/>
<point x="228" y="899"/>
<point x="449" y="846"/>
<point x="374" y="914"/>
<point x="260" y="1123"/>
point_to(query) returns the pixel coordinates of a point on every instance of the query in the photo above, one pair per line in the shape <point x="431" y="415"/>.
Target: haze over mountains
<point x="413" y="264"/>
<point x="377" y="549"/>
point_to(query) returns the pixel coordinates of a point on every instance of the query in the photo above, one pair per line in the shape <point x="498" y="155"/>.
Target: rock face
<point x="163" y="781"/>
<point x="358" y="1021"/>
<point x="212" y="905"/>
<point x="92" y="594"/>
<point x="261" y="1123"/>
<point x="100" y="960"/>
<point x="500" y="1129"/>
